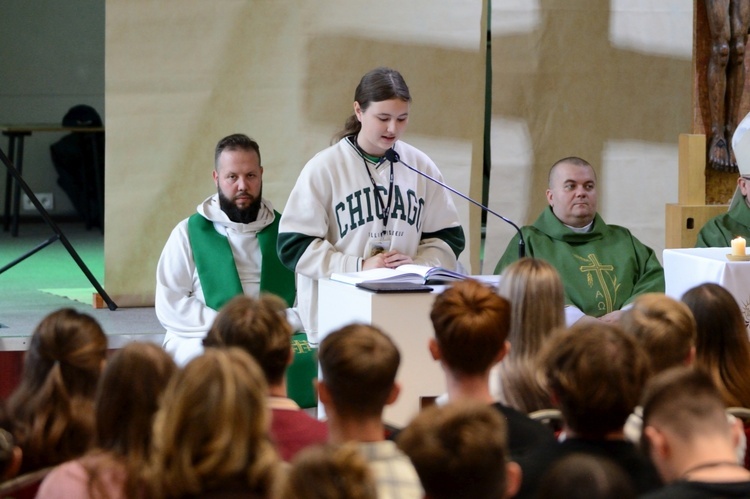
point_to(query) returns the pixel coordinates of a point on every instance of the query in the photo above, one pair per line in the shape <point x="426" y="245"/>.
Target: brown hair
<point x="537" y="297"/>
<point x="596" y="372"/>
<point x="458" y="450"/>
<point x="686" y="401"/>
<point x="51" y="410"/>
<point x="328" y="471"/>
<point x="583" y="476"/>
<point x="211" y="428"/>
<point x="359" y="364"/>
<point x="126" y="401"/>
<point x="259" y="327"/>
<point x="377" y="85"/>
<point x="234" y="142"/>
<point x="721" y="348"/>
<point x="664" y="326"/>
<point x="471" y="324"/>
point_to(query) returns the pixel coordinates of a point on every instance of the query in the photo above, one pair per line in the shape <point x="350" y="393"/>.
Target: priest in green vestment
<point x="720" y="230"/>
<point x="603" y="267"/>
<point x="227" y="248"/>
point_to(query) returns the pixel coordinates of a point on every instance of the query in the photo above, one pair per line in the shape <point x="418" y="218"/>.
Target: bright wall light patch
<point x="663" y="28"/>
<point x="515" y="16"/>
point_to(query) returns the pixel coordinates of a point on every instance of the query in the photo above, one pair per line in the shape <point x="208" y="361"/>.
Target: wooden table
<point x="16" y="135"/>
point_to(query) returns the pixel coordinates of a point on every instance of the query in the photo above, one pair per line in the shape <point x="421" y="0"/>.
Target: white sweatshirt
<point x="333" y="216"/>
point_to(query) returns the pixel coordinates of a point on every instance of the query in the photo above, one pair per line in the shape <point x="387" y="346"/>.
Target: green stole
<point x="217" y="271"/>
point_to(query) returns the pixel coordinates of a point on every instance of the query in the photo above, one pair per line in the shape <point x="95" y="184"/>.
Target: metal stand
<point x="58" y="234"/>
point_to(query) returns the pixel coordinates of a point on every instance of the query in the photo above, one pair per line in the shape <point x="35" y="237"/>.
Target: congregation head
<point x="212" y="428"/>
<point x="461" y="450"/>
<point x="258" y="326"/>
<point x="128" y="395"/>
<point x="471" y="324"/>
<point x="537" y="298"/>
<point x="358" y="364"/>
<point x="584" y="476"/>
<point x="329" y="471"/>
<point x="595" y="372"/>
<point x="665" y="328"/>
<point x="721" y="347"/>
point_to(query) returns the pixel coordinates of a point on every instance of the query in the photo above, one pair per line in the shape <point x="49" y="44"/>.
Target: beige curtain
<point x="181" y="74"/>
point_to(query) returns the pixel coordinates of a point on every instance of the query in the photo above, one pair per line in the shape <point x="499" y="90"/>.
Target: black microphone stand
<point x="394" y="157"/>
<point x="58" y="235"/>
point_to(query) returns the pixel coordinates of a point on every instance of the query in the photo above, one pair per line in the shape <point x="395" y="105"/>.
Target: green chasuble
<point x="601" y="270"/>
<point x="217" y="272"/>
<point x="720" y="230"/>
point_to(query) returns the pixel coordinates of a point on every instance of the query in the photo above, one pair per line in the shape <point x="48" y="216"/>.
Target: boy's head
<point x="595" y="372"/>
<point x="471" y="324"/>
<point x="359" y="364"/>
<point x="461" y="450"/>
<point x="682" y="406"/>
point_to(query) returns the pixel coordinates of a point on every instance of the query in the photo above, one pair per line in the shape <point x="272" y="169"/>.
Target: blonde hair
<point x="664" y="326"/>
<point x="537" y="297"/>
<point x="212" y="428"/>
<point x="329" y="471"/>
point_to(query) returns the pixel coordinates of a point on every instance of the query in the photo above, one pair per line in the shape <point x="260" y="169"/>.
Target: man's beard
<point x="240" y="215"/>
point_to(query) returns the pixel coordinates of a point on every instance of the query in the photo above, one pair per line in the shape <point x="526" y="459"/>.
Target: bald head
<point x="572" y="191"/>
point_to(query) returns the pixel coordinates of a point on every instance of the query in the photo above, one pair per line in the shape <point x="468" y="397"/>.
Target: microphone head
<point x="391" y="155"/>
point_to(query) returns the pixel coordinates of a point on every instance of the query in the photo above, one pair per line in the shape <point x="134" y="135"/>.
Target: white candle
<point x="738" y="246"/>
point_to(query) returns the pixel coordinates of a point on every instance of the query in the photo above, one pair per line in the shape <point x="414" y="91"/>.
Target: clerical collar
<point x="581" y="230"/>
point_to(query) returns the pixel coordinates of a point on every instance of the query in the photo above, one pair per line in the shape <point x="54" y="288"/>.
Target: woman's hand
<point x="394" y="259"/>
<point x="390" y="259"/>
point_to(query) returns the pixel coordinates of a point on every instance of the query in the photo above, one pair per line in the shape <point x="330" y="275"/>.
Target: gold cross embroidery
<point x="301" y="346"/>
<point x="598" y="269"/>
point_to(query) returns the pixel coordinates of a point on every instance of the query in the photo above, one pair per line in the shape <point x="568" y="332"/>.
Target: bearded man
<point x="227" y="248"/>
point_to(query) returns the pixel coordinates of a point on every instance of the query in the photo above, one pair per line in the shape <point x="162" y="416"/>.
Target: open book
<point x="419" y="274"/>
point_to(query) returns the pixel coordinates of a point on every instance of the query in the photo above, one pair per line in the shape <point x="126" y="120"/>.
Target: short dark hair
<point x="359" y="364"/>
<point x="236" y="141"/>
<point x="597" y="372"/>
<point x="685" y="400"/>
<point x="458" y="450"/>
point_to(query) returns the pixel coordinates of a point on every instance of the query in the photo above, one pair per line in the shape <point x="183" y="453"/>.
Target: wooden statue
<point x="728" y="22"/>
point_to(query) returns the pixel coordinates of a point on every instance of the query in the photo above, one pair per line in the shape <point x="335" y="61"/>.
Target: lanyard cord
<point x="386" y="209"/>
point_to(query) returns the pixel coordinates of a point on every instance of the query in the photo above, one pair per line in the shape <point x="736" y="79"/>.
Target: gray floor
<point x="23" y="304"/>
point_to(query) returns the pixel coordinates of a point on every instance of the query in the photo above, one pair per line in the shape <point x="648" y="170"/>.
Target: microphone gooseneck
<point x="392" y="156"/>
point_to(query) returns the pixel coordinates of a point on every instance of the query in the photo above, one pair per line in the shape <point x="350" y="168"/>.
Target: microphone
<point x="392" y="156"/>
